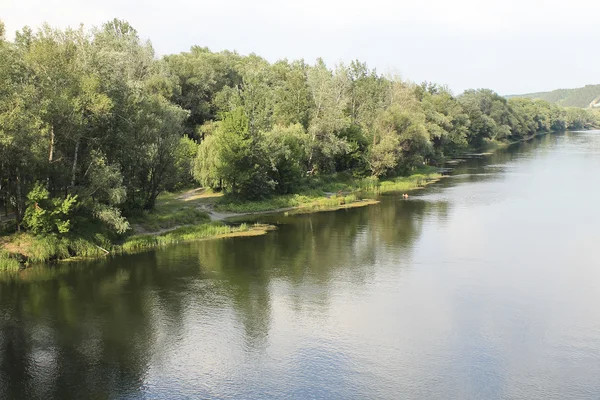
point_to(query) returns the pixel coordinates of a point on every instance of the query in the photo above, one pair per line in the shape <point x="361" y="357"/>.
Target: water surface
<point x="483" y="286"/>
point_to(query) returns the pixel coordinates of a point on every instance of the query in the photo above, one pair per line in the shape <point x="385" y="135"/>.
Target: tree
<point x="329" y="94"/>
<point x="201" y="75"/>
<point x="291" y="97"/>
<point x="235" y="158"/>
<point x="366" y="95"/>
<point x="446" y="121"/>
<point x="145" y="128"/>
<point x="21" y="145"/>
<point x="285" y="148"/>
<point x="489" y="115"/>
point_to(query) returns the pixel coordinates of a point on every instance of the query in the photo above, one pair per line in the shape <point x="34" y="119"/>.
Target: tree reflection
<point x="96" y="327"/>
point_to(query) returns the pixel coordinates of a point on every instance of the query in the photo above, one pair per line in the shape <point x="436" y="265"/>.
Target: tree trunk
<point x="19" y="208"/>
<point x="50" y="155"/>
<point x="51" y="151"/>
<point x="74" y="169"/>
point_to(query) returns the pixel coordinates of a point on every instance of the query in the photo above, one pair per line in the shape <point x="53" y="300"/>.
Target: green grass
<point x="170" y="211"/>
<point x="406" y="184"/>
<point x="44" y="248"/>
<point x="236" y="206"/>
<point x="8" y="263"/>
<point x="304" y="201"/>
<point x="189" y="233"/>
<point x="331" y="202"/>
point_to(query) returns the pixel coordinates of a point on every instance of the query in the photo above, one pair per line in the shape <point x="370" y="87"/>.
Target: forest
<point x="94" y="126"/>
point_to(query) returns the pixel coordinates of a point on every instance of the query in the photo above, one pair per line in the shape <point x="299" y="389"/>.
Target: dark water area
<point x="483" y="286"/>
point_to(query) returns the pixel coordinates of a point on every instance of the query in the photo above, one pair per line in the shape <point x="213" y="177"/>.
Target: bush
<point x="45" y="215"/>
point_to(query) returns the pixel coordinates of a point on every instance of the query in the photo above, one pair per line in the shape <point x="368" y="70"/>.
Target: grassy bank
<point x="332" y="192"/>
<point x="213" y="230"/>
<point x="314" y="201"/>
<point x="26" y="249"/>
<point x="174" y="210"/>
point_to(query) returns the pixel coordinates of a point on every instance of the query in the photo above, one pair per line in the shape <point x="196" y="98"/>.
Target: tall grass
<point x="330" y="202"/>
<point x="406" y="183"/>
<point x="179" y="235"/>
<point x="50" y="247"/>
<point x="44" y="248"/>
<point x="8" y="263"/>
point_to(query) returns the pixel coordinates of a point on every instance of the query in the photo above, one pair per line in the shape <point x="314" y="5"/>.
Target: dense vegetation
<point x="93" y="126"/>
<point x="579" y="97"/>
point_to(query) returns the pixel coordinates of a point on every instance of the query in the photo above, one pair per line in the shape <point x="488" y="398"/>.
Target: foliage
<point x="184" y="163"/>
<point x="235" y="158"/>
<point x="45" y="215"/>
<point x="285" y="149"/>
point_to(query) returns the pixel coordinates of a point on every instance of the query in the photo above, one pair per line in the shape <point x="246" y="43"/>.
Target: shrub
<point x="45" y="215"/>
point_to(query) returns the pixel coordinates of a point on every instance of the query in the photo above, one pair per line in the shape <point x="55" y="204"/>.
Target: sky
<point x="510" y="46"/>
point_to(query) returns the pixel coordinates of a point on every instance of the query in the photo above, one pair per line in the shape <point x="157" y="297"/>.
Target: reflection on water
<point x="481" y="286"/>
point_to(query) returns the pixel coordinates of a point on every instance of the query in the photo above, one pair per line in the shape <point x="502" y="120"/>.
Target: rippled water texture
<point x="483" y="286"/>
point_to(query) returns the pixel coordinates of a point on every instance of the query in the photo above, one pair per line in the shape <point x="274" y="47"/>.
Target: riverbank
<point x="201" y="214"/>
<point x="24" y="249"/>
<point x="332" y="192"/>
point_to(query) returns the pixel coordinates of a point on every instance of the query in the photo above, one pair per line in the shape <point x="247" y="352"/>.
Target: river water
<point x="485" y="285"/>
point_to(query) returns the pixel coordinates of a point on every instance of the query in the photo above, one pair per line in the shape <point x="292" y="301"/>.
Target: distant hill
<point x="587" y="96"/>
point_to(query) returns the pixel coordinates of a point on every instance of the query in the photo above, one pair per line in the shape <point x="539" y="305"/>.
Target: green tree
<point x="489" y="115"/>
<point x="201" y="75"/>
<point x="291" y="97"/>
<point x="446" y="121"/>
<point x="234" y="157"/>
<point x="329" y="95"/>
<point x="285" y="148"/>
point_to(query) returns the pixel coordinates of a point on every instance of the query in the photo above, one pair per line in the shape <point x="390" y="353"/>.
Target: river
<point x="485" y="285"/>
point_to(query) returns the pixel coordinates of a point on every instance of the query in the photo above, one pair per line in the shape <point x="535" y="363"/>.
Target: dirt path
<point x="220" y="216"/>
<point x="138" y="230"/>
<point x="193" y="194"/>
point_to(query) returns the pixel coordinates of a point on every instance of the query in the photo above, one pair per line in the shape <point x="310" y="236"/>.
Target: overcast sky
<point x="511" y="46"/>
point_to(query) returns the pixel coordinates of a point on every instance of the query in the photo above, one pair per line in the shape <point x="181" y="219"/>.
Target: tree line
<point x="94" y="126"/>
